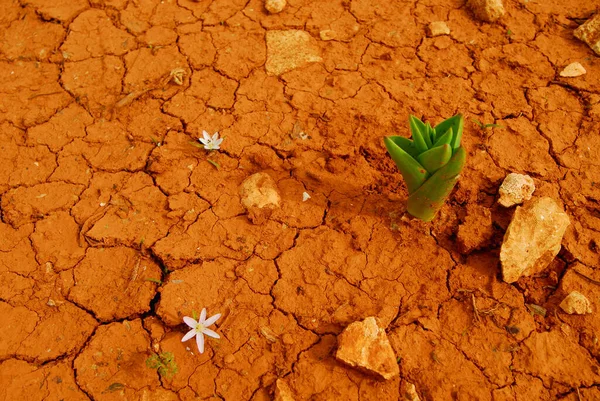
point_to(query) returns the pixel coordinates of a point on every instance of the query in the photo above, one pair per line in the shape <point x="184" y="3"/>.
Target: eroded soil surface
<point x="114" y="226"/>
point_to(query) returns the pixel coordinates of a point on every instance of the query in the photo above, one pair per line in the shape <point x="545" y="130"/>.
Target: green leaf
<point x="427" y="136"/>
<point x="413" y="173"/>
<point x="435" y="158"/>
<point x="406" y="144"/>
<point x="456" y="123"/>
<point x="429" y="198"/>
<point x="418" y="131"/>
<point x="444" y="139"/>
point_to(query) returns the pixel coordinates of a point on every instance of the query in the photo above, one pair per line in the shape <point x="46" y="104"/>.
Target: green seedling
<point x="486" y="126"/>
<point x="164" y="363"/>
<point x="430" y="163"/>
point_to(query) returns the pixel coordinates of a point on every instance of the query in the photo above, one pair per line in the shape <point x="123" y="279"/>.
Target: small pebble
<point x="327" y="34"/>
<point x="275" y="6"/>
<point x="438" y="28"/>
<point x="305" y="196"/>
<point x="573" y="70"/>
<point x="576" y="303"/>
<point x="229" y="359"/>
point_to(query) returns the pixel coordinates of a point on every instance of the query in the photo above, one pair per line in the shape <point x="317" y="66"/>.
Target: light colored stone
<point x="260" y="196"/>
<point x="327" y="34"/>
<point x="365" y="345"/>
<point x="408" y="391"/>
<point x="589" y="32"/>
<point x="282" y="391"/>
<point x="288" y="50"/>
<point x="576" y="303"/>
<point x="260" y="190"/>
<point x="532" y="238"/>
<point x="275" y="6"/>
<point x="515" y="189"/>
<point x="437" y="28"/>
<point x="573" y="70"/>
<point x="487" y="10"/>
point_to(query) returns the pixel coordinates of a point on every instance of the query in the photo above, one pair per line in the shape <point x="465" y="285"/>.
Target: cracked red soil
<point x="114" y="226"/>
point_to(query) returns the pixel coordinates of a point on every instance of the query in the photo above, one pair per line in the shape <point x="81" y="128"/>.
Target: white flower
<point x="305" y="196"/>
<point x="209" y="142"/>
<point x="199" y="328"/>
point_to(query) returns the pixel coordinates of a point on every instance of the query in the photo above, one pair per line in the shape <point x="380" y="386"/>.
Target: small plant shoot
<point x="430" y="163"/>
<point x="164" y="363"/>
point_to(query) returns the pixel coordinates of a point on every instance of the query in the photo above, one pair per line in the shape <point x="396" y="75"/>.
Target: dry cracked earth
<point x="114" y="226"/>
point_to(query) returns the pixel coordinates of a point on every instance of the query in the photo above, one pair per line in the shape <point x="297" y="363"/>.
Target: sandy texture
<point x="113" y="226"/>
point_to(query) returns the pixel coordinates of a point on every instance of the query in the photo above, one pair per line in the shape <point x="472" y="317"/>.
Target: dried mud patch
<point x="114" y="225"/>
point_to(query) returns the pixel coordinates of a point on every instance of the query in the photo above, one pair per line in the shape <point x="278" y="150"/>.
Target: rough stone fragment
<point x="275" y="6"/>
<point x="533" y="238"/>
<point x="487" y="10"/>
<point x="437" y="28"/>
<point x="589" y="32"/>
<point x="573" y="70"/>
<point x="288" y="50"/>
<point x="260" y="196"/>
<point x="282" y="391"/>
<point x="476" y="230"/>
<point x="576" y="303"/>
<point x="515" y="189"/>
<point x="365" y="345"/>
<point x="408" y="391"/>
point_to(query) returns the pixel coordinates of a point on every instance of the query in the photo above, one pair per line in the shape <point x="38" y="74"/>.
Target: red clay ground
<point x="107" y="239"/>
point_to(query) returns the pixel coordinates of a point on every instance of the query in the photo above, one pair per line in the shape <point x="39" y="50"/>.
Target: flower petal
<point x="211" y="320"/>
<point x="200" y="342"/>
<point x="211" y="333"/>
<point x="218" y="141"/>
<point x="202" y="316"/>
<point x="215" y="137"/>
<point x="206" y="135"/>
<point x="188" y="335"/>
<point x="190" y="322"/>
<point x="204" y="141"/>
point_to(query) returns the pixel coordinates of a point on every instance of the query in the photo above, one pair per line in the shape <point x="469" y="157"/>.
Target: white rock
<point x="576" y="303"/>
<point x="515" y="189"/>
<point x="438" y="28"/>
<point x="365" y="345"/>
<point x="533" y="238"/>
<point x="573" y="70"/>
<point x="305" y="196"/>
<point x="275" y="6"/>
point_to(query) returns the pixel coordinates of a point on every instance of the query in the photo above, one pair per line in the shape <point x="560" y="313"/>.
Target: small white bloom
<point x="199" y="328"/>
<point x="305" y="196"/>
<point x="210" y="143"/>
